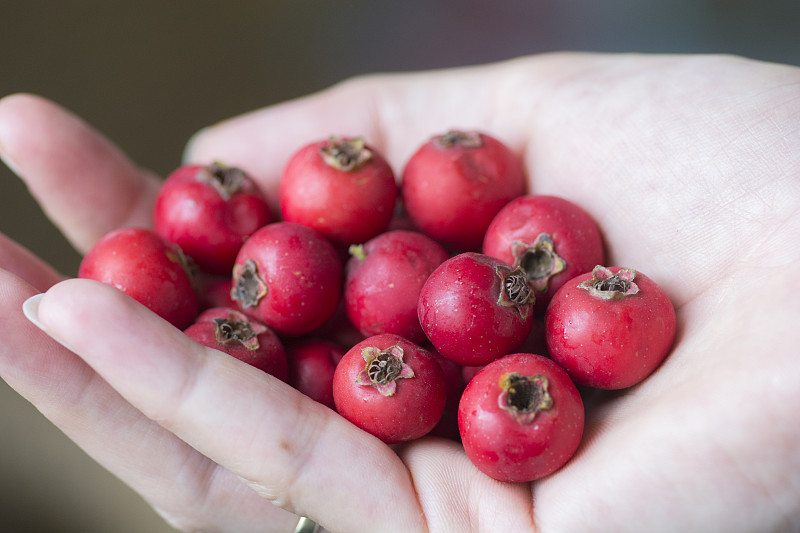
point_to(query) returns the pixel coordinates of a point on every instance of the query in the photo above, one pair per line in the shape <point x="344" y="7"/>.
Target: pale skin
<point x="691" y="167"/>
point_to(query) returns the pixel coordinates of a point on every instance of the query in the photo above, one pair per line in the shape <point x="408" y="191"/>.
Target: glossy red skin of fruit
<point x="346" y="207"/>
<point x="411" y="412"/>
<point x="269" y="356"/>
<point x="460" y="314"/>
<point x="610" y="344"/>
<point x="147" y="268"/>
<point x="453" y="193"/>
<point x="383" y="280"/>
<point x="312" y="363"/>
<point x="302" y="275"/>
<point x="575" y="235"/>
<point x="534" y="343"/>
<point x="502" y="447"/>
<point x="208" y="227"/>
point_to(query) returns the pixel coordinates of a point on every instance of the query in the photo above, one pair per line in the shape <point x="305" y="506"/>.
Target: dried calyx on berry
<point x="248" y="288"/>
<point x="176" y="255"/>
<point x="463" y="139"/>
<point x="346" y="154"/>
<point x="383" y="368"/>
<point x="606" y="285"/>
<point x="524" y="396"/>
<point x="516" y="290"/>
<point x="226" y="180"/>
<point x="237" y="328"/>
<point x="539" y="260"/>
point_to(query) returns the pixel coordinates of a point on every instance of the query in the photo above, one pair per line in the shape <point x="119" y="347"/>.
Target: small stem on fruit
<point x="524" y="396"/>
<point x="458" y="138"/>
<point x="347" y="155"/>
<point x="357" y="251"/>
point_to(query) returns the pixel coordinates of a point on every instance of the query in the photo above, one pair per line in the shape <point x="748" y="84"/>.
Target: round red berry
<point x="146" y="267"/>
<point x="312" y="363"/>
<point x="383" y="279"/>
<point x="520" y="418"/>
<point x="551" y="238"/>
<point x="475" y="308"/>
<point x="245" y="338"/>
<point x="455" y="184"/>
<point x="289" y="277"/>
<point x="610" y="328"/>
<point x="390" y="387"/>
<point x="209" y="211"/>
<point x="340" y="187"/>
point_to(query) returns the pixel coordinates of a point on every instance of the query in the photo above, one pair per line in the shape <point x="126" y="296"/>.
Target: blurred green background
<point x="151" y="73"/>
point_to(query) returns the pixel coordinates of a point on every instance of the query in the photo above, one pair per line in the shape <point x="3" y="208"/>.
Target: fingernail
<point x="187" y="156"/>
<point x="30" y="308"/>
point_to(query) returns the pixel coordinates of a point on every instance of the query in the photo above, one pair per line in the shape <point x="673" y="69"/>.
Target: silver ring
<point x="306" y="525"/>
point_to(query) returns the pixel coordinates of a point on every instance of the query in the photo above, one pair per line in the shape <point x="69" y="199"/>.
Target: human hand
<point x="688" y="164"/>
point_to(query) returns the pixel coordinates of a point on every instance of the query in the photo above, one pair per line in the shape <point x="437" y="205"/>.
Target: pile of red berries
<point x="454" y="304"/>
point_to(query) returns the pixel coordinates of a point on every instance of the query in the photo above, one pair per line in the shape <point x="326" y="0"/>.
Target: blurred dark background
<point x="151" y="73"/>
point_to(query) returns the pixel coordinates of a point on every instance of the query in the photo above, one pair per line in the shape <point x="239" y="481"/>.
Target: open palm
<point x="691" y="167"/>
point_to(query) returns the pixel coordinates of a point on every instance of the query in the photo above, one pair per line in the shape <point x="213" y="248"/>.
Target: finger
<point x="291" y="450"/>
<point x="84" y="183"/>
<point x="191" y="491"/>
<point x="456" y="496"/>
<point x="17" y="260"/>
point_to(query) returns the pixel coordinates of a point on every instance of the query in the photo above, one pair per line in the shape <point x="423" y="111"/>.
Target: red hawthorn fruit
<point x="312" y="363"/>
<point x="146" y="267"/>
<point x="289" y="277"/>
<point x="475" y="308"/>
<point x="390" y="387"/>
<point x="521" y="418"/>
<point x="551" y="238"/>
<point x="610" y="328"/>
<point x="245" y="338"/>
<point x="383" y="279"/>
<point x="209" y="211"/>
<point x="454" y="185"/>
<point x="341" y="187"/>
